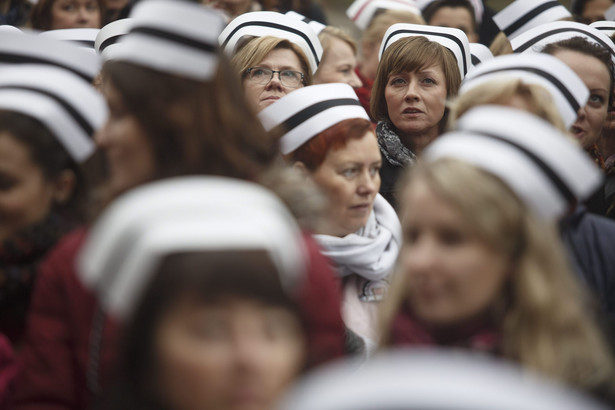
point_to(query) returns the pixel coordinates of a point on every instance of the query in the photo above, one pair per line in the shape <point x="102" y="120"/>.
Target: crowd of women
<point x="232" y="205"/>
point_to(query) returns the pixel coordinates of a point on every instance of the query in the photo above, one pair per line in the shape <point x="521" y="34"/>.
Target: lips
<point x="578" y="132"/>
<point x="412" y="110"/>
<point x="361" y="207"/>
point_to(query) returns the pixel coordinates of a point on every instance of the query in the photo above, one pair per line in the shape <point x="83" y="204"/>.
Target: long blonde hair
<point x="500" y="91"/>
<point x="542" y="313"/>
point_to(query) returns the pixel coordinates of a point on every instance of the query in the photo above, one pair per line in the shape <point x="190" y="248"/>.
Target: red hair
<point x="313" y="152"/>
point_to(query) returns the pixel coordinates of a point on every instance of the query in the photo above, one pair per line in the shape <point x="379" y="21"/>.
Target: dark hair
<point x="194" y="127"/>
<point x="407" y="55"/>
<point x="578" y="6"/>
<point x="313" y="152"/>
<point x="41" y="18"/>
<point x="433" y="7"/>
<point x="50" y="156"/>
<point x="209" y="277"/>
<point x="583" y="46"/>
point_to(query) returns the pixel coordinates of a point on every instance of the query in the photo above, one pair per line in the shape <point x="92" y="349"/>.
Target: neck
<point x="417" y="142"/>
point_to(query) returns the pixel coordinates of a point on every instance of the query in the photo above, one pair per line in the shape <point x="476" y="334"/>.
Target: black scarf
<point x="395" y="152"/>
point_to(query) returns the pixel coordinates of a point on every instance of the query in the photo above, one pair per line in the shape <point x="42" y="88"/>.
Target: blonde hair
<point x="543" y="323"/>
<point x="500" y="91"/>
<point x="500" y="45"/>
<point x="331" y="32"/>
<point x="381" y="22"/>
<point x="411" y="54"/>
<point x="252" y="52"/>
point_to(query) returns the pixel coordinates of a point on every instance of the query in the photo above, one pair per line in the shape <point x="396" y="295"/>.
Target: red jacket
<point x="56" y="357"/>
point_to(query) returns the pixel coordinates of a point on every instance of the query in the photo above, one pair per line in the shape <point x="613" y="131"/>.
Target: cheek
<point x="597" y="118"/>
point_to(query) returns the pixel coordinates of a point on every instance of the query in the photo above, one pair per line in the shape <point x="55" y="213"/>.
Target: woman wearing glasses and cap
<point x="328" y="138"/>
<point x="420" y="67"/>
<point x="482" y="267"/>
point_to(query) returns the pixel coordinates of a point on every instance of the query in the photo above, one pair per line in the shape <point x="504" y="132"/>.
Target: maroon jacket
<point x="59" y="364"/>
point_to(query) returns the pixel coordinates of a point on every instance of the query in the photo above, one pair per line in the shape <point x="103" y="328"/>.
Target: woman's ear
<point x="64" y="186"/>
<point x="301" y="168"/>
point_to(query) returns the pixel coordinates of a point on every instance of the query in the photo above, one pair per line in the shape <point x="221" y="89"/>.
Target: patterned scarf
<point x="20" y="256"/>
<point x="391" y="146"/>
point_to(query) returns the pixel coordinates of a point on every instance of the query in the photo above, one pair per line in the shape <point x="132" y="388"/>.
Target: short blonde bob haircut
<point x="500" y="91"/>
<point x="252" y="52"/>
<point x="381" y="22"/>
<point x="407" y="55"/>
<point x="541" y="310"/>
<point x="331" y="32"/>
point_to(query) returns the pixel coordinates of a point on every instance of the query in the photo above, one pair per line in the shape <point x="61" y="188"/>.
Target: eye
<point x="260" y="72"/>
<point x="596" y="100"/>
<point x="350" y="172"/>
<point x="451" y="237"/>
<point x="92" y="6"/>
<point x="373" y="171"/>
<point x="411" y="235"/>
<point x="7" y="183"/>
<point x="429" y="80"/>
<point x="398" y="81"/>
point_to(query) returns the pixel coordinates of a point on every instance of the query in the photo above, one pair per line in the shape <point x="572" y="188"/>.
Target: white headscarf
<point x="370" y="252"/>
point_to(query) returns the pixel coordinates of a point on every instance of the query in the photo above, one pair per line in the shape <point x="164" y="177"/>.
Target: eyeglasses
<point x="262" y="75"/>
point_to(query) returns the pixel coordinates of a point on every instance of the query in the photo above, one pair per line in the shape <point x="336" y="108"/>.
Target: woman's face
<point x="416" y="100"/>
<point x="75" y="14"/>
<point x="588" y="127"/>
<point x="350" y="177"/>
<point x="337" y="65"/>
<point x="126" y="144"/>
<point x="260" y="94"/>
<point x="451" y="275"/>
<point x="26" y="196"/>
<point x="235" y="354"/>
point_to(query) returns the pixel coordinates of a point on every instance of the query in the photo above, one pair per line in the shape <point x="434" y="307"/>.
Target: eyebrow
<point x="285" y="67"/>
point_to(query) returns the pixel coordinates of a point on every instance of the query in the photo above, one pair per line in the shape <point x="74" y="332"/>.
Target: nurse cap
<point x="522" y="15"/>
<point x="361" y="12"/>
<point x="82" y="37"/>
<point x="110" y="34"/>
<point x="421" y="378"/>
<point x="315" y="25"/>
<point x="157" y="41"/>
<point x="568" y="91"/>
<point x="479" y="8"/>
<point x="606" y="27"/>
<point x="69" y="107"/>
<point x="27" y="48"/>
<point x="534" y="40"/>
<point x="308" y="111"/>
<point x="536" y="161"/>
<point x="269" y="23"/>
<point x="5" y="28"/>
<point x="451" y="38"/>
<point x="185" y="214"/>
<point x="479" y="53"/>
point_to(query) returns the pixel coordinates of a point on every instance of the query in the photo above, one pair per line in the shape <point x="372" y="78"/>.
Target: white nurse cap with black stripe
<point x="308" y="111"/>
<point x="70" y="108"/>
<point x="82" y="37"/>
<point x="27" y="48"/>
<point x="451" y="38"/>
<point x="185" y="214"/>
<point x="315" y="25"/>
<point x="174" y="37"/>
<point x="546" y="171"/>
<point x="534" y="40"/>
<point x="522" y="15"/>
<point x="110" y="34"/>
<point x="606" y="27"/>
<point x="479" y="53"/>
<point x="568" y="91"/>
<point x="269" y="23"/>
<point x="361" y="12"/>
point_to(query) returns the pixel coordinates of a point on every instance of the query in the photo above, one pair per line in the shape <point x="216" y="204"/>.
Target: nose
<point x="84" y="15"/>
<point x="354" y="80"/>
<point x="274" y="82"/>
<point x="368" y="183"/>
<point x="101" y="137"/>
<point x="581" y="114"/>
<point x="412" y="92"/>
<point x="420" y="257"/>
<point x="250" y="353"/>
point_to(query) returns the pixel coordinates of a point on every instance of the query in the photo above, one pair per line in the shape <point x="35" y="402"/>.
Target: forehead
<point x="281" y="58"/>
<point x="591" y="70"/>
<point x="364" y="149"/>
<point x="13" y="153"/>
<point x="451" y="16"/>
<point x="339" y="48"/>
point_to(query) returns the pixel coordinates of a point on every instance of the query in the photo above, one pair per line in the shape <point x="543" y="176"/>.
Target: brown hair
<point x="331" y="32"/>
<point x="194" y="127"/>
<point x="313" y="152"/>
<point x="256" y="49"/>
<point x="41" y="17"/>
<point x="381" y="22"/>
<point x="407" y="55"/>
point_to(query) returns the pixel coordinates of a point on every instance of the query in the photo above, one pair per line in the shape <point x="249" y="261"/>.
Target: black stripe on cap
<point x="314" y="109"/>
<point x="109" y="41"/>
<point x="559" y="184"/>
<point x="22" y="59"/>
<point x="86" y="43"/>
<point x="602" y="28"/>
<point x="542" y="36"/>
<point x="527" y="17"/>
<point x="176" y="38"/>
<point x="76" y="115"/>
<point x="275" y="26"/>
<point x="475" y="60"/>
<point x="424" y="33"/>
<point x="547" y="76"/>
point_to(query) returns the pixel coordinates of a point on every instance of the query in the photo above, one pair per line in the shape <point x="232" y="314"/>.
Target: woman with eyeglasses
<point x="270" y="68"/>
